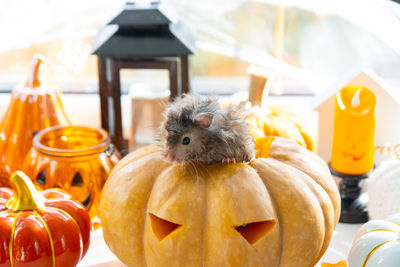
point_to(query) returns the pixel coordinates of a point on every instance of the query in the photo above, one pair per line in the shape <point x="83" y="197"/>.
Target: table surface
<point x="100" y="256"/>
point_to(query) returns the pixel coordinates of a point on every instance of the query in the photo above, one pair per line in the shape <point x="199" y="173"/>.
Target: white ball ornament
<point x="384" y="190"/>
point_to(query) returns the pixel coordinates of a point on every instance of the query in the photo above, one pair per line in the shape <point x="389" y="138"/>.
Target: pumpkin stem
<point x="33" y="78"/>
<point x="25" y="196"/>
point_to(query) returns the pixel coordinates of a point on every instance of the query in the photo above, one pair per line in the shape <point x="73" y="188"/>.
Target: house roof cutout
<point x="366" y="78"/>
<point x="387" y="128"/>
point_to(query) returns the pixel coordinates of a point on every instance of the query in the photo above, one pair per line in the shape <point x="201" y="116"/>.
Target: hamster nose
<point x="170" y="157"/>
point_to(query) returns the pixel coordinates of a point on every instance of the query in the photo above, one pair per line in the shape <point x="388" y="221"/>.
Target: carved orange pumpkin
<point x="46" y="230"/>
<point x="280" y="121"/>
<point x="32" y="108"/>
<point x="275" y="211"/>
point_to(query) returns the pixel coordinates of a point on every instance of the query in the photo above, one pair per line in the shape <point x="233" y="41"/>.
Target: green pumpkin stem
<point x="25" y="196"/>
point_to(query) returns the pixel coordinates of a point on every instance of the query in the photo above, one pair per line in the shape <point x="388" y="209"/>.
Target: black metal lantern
<point x="137" y="38"/>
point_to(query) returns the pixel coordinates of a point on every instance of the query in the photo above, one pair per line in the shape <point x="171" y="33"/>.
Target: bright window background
<point x="323" y="40"/>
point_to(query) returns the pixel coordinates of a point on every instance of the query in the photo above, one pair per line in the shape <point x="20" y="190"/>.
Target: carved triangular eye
<point x="253" y="232"/>
<point x="87" y="199"/>
<point x="41" y="178"/>
<point x="77" y="180"/>
<point x="162" y="228"/>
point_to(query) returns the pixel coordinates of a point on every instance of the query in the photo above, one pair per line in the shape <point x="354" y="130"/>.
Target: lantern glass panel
<point x="148" y="97"/>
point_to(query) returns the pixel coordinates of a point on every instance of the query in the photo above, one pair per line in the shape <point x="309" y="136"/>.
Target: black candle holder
<point x="353" y="202"/>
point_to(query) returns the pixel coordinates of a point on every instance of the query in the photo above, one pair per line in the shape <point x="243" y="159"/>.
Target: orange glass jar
<point x="76" y="159"/>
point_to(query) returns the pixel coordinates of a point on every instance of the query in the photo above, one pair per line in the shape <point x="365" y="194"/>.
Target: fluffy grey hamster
<point x="198" y="129"/>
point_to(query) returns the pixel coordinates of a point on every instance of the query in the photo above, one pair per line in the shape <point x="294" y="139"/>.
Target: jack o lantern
<point x="280" y="121"/>
<point x="32" y="108"/>
<point x="45" y="229"/>
<point x="275" y="211"/>
<point x="76" y="159"/>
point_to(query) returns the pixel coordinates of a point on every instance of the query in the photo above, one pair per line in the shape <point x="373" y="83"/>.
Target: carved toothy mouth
<point x="353" y="156"/>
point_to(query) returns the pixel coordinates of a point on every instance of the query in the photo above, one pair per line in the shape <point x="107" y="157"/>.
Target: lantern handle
<point x="33" y="78"/>
<point x="113" y="154"/>
<point x="25" y="196"/>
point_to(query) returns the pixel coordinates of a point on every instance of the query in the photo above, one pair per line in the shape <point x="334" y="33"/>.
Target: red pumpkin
<point x="48" y="229"/>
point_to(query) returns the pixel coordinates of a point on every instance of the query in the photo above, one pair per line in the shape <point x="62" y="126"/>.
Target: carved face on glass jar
<point x="75" y="159"/>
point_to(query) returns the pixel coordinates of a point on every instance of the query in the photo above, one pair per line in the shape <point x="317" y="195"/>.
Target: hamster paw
<point x="229" y="160"/>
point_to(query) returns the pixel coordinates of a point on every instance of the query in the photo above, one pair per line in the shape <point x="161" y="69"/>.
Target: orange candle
<point x="353" y="130"/>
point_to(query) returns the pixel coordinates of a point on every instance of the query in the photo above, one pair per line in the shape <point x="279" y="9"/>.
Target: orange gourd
<point x="32" y="108"/>
<point x="279" y="210"/>
<point x="46" y="230"/>
<point x="280" y="121"/>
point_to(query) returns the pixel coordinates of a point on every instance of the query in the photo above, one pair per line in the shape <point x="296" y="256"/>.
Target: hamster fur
<point x="198" y="129"/>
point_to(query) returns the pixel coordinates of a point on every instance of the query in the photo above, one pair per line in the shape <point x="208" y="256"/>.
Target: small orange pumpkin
<point x="280" y="121"/>
<point x="32" y="108"/>
<point x="275" y="211"/>
<point x="46" y="230"/>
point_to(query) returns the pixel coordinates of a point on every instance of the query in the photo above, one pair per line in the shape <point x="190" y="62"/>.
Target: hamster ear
<point x="204" y="120"/>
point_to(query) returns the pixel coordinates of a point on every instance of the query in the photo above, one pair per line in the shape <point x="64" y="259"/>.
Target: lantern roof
<point x="141" y="31"/>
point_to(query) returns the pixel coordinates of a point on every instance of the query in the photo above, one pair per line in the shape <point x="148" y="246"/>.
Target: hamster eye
<point x="186" y="141"/>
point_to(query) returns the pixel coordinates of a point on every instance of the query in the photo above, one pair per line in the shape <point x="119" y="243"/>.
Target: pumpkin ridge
<point x="134" y="157"/>
<point x="155" y="178"/>
<point x="280" y="212"/>
<point x="34" y="113"/>
<point x="375" y="249"/>
<point x="123" y="169"/>
<point x="174" y="176"/>
<point x="395" y="223"/>
<point x="311" y="183"/>
<point x="205" y="216"/>
<point x="327" y="225"/>
<point x="74" y="221"/>
<point x="11" y="152"/>
<point x="19" y="148"/>
<point x="53" y="256"/>
<point x="10" y="245"/>
<point x="293" y="159"/>
<point x="203" y="171"/>
<point x="378" y="230"/>
<point x="274" y="204"/>
<point x="42" y="110"/>
<point x="7" y="121"/>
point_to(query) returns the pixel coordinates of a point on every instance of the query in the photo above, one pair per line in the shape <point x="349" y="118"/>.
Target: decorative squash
<point x="46" y="230"/>
<point x="280" y="121"/>
<point x="275" y="211"/>
<point x="377" y="243"/>
<point x="32" y="108"/>
<point x="76" y="159"/>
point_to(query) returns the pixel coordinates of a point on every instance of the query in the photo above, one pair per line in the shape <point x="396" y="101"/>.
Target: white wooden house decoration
<point x="387" y="125"/>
